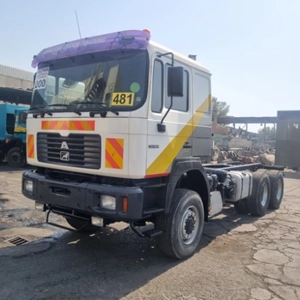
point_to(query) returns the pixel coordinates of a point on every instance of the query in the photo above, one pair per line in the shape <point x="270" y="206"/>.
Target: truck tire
<point x="259" y="199"/>
<point x="182" y="227"/>
<point x="15" y="158"/>
<point x="241" y="207"/>
<point x="77" y="224"/>
<point x="277" y="188"/>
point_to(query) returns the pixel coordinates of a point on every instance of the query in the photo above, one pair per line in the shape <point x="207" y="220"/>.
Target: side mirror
<point x="175" y="81"/>
<point x="34" y="76"/>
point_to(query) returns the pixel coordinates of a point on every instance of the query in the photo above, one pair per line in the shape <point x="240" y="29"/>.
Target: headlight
<point x="108" y="202"/>
<point x="40" y="206"/>
<point x="28" y="186"/>
<point x="97" y="221"/>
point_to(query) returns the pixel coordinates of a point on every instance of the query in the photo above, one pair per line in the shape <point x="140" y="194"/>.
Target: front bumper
<point x="84" y="197"/>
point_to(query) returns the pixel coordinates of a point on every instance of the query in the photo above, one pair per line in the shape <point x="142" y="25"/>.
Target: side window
<point x="157" y="87"/>
<point x="179" y="103"/>
<point x="201" y="93"/>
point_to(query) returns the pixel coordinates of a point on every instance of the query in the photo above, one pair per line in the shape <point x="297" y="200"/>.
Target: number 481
<point x="122" y="99"/>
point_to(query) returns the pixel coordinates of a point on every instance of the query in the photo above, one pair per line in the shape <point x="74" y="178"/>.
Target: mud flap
<point x="216" y="203"/>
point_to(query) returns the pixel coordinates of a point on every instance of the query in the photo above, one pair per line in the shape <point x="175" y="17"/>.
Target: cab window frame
<point x="162" y="89"/>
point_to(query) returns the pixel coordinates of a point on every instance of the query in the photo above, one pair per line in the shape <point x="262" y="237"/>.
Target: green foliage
<point x="219" y="108"/>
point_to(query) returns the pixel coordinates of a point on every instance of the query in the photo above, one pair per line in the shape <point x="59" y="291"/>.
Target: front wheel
<point x="15" y="158"/>
<point x="182" y="227"/>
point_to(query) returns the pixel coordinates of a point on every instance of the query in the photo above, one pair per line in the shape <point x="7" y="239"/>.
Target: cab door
<point x="202" y="134"/>
<point x="175" y="141"/>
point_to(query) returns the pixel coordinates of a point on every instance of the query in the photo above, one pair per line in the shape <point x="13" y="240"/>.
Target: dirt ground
<point x="241" y="257"/>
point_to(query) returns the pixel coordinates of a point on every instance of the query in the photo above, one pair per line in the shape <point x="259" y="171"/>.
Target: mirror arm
<point x="171" y="104"/>
<point x="168" y="53"/>
<point x="160" y="126"/>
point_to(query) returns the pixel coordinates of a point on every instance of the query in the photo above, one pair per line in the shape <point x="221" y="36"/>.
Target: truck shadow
<point x="113" y="262"/>
<point x="4" y="167"/>
<point x="121" y="238"/>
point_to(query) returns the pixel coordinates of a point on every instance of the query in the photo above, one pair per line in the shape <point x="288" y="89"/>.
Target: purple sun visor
<point x="131" y="39"/>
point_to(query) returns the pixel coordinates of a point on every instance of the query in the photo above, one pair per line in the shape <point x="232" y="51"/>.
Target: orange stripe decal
<point x="69" y="125"/>
<point x="30" y="146"/>
<point x="114" y="153"/>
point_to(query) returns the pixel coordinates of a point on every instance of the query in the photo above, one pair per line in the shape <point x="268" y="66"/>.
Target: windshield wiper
<point x="89" y="103"/>
<point x="76" y="111"/>
<point x="101" y="112"/>
<point x="39" y="110"/>
<point x="42" y="110"/>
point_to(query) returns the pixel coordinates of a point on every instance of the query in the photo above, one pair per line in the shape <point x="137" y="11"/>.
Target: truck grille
<point x="75" y="150"/>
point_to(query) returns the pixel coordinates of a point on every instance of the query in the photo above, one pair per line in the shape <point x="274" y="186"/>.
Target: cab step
<point x="149" y="233"/>
<point x="153" y="210"/>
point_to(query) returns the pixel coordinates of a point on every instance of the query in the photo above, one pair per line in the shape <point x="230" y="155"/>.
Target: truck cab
<point x="119" y="129"/>
<point x="20" y="123"/>
<point x="13" y="134"/>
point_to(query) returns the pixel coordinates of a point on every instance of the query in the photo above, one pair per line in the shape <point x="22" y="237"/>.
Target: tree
<point x="219" y="108"/>
<point x="269" y="133"/>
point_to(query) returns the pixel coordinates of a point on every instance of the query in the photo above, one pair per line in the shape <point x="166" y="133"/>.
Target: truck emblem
<point x="64" y="145"/>
<point x="64" y="155"/>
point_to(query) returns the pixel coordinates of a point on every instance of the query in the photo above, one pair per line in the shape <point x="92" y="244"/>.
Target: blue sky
<point x="251" y="47"/>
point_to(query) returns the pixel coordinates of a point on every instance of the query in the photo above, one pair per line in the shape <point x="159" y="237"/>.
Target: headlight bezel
<point x="28" y="183"/>
<point x="108" y="202"/>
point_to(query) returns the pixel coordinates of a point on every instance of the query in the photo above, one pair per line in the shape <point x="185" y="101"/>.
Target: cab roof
<point x="184" y="59"/>
<point x="129" y="39"/>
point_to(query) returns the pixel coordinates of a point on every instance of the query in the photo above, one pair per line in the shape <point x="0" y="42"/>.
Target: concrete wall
<point x="288" y="139"/>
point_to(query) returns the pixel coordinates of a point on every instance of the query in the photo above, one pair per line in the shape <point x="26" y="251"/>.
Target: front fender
<point x="179" y="167"/>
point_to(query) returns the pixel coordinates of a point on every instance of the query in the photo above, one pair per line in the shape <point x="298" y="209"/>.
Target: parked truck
<point x="119" y="129"/>
<point x="13" y="134"/>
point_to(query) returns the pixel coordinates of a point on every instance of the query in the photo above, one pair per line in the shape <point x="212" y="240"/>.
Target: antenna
<point x="78" y="23"/>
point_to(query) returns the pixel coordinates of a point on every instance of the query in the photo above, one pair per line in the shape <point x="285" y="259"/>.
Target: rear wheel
<point x="259" y="200"/>
<point x="277" y="188"/>
<point x="182" y="228"/>
<point x="241" y="206"/>
<point x="15" y="158"/>
<point x="79" y="224"/>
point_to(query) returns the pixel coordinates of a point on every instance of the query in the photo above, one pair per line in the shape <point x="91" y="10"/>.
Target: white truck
<point x="119" y="129"/>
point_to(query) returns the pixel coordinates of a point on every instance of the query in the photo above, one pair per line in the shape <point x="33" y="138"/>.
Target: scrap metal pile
<point x="239" y="145"/>
<point x="246" y="155"/>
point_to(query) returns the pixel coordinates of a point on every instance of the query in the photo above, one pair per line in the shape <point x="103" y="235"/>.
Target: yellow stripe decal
<point x="20" y="129"/>
<point x="162" y="163"/>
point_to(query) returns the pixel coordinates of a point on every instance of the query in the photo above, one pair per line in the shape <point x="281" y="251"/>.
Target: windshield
<point x="105" y="81"/>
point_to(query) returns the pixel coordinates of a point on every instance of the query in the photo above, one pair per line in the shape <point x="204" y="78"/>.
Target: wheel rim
<point x="16" y="157"/>
<point x="279" y="190"/>
<point x="189" y="225"/>
<point x="264" y="194"/>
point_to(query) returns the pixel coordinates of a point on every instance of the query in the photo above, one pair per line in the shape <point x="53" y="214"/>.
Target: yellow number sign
<point x="122" y="99"/>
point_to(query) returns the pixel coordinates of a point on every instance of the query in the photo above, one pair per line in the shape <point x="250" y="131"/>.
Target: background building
<point x="15" y="85"/>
